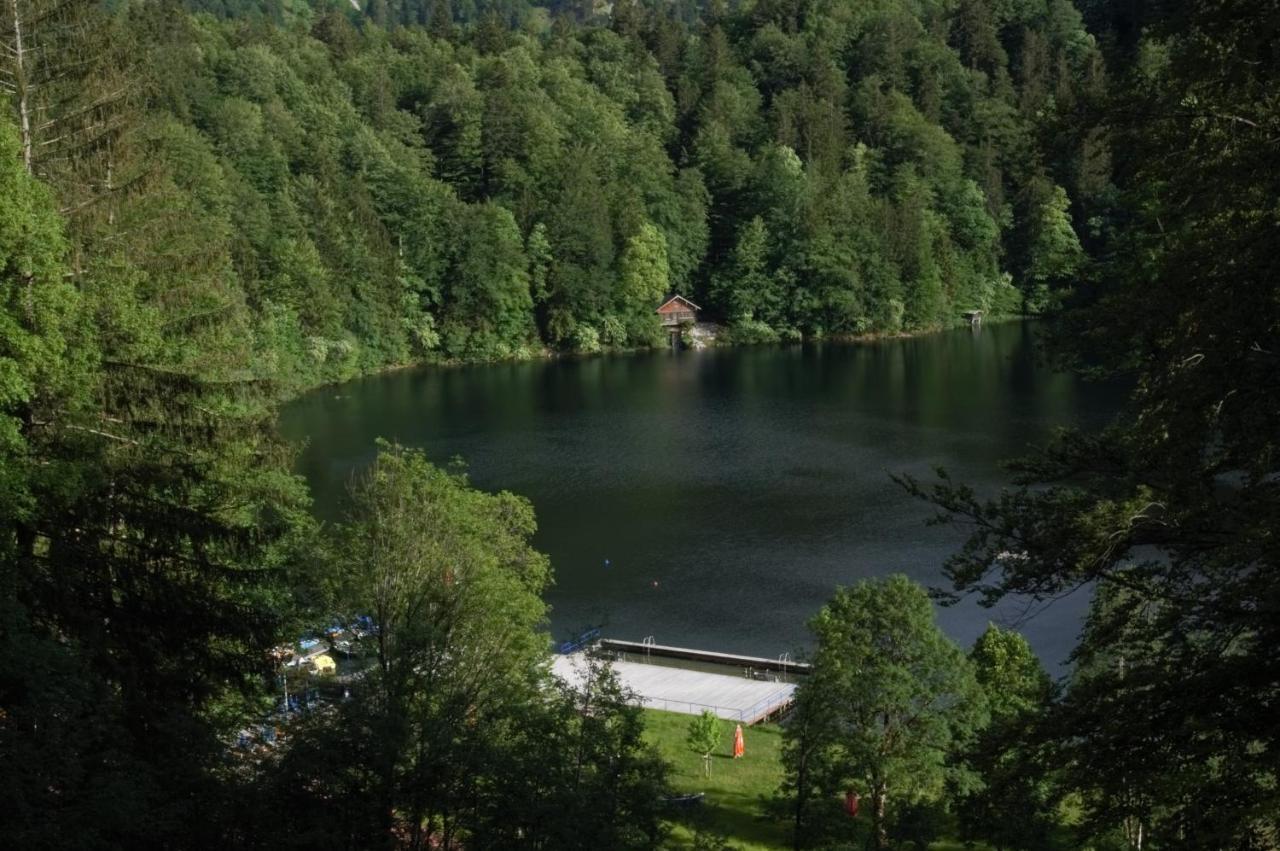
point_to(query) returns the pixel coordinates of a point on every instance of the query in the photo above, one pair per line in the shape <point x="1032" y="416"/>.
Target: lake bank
<point x="546" y="353"/>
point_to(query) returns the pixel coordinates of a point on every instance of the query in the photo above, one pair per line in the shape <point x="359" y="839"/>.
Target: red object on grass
<point x="851" y="804"/>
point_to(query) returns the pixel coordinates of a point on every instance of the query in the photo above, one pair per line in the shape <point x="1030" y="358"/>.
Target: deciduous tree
<point x="704" y="736"/>
<point x="888" y="707"/>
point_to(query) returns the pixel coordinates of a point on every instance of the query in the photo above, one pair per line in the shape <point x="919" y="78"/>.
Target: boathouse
<point x="678" y="310"/>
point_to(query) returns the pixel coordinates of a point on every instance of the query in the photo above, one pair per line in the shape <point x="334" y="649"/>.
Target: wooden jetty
<point x="648" y="650"/>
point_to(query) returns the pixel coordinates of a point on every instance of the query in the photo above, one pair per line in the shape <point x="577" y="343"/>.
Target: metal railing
<point x="762" y="708"/>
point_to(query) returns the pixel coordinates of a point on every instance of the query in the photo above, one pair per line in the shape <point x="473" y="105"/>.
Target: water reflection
<point x="746" y="483"/>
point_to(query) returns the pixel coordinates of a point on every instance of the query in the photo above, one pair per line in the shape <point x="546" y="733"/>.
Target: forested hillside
<point x="381" y="194"/>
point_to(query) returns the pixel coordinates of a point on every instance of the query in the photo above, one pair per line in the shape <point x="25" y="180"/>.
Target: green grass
<point x="736" y="789"/>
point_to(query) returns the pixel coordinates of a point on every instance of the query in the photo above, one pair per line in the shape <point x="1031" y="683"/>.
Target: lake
<point x="715" y="498"/>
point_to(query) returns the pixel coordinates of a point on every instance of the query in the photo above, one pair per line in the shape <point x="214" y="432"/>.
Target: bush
<point x="585" y="339"/>
<point x="1006" y="300"/>
<point x="612" y="331"/>
<point x="750" y="331"/>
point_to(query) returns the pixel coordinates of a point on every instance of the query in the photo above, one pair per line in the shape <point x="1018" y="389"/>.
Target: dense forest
<point x="373" y="194"/>
<point x="205" y="210"/>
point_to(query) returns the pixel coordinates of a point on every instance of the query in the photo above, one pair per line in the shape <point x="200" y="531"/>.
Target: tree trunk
<point x="802" y="791"/>
<point x="21" y="92"/>
<point x="879" y="826"/>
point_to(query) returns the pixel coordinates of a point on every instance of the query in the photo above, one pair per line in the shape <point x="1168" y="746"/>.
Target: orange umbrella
<point x="738" y="746"/>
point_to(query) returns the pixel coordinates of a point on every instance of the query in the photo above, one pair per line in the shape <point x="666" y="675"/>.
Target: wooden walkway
<point x="678" y="690"/>
<point x="732" y="660"/>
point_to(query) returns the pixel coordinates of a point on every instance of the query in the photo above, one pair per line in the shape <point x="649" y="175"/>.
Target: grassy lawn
<point x="737" y="788"/>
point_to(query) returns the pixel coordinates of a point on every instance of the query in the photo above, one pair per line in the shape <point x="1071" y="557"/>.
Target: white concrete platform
<point x="678" y="690"/>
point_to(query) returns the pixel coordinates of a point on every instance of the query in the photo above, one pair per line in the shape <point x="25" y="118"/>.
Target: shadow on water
<point x="715" y="499"/>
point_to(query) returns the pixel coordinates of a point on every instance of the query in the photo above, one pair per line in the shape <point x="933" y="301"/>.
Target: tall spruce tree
<point x="63" y="68"/>
<point x="156" y="490"/>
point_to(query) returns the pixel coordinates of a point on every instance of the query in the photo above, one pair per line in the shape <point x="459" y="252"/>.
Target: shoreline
<point x="549" y="354"/>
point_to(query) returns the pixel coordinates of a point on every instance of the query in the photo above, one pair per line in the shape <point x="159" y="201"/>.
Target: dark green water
<point x="729" y="490"/>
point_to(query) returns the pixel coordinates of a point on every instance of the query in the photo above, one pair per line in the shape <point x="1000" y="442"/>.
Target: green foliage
<point x="450" y="579"/>
<point x="1169" y="513"/>
<point x="578" y="774"/>
<point x="921" y="823"/>
<point x="746" y="288"/>
<point x="1016" y="805"/>
<point x="423" y="541"/>
<point x="738" y="795"/>
<point x="252" y="207"/>
<point x="407" y="189"/>
<point x="457" y="730"/>
<point x="750" y="332"/>
<point x="1009" y="673"/>
<point x="704" y="736"/>
<point x="488" y="302"/>
<point x="889" y="704"/>
<point x="585" y="339"/>
<point x="143" y="559"/>
<point x="1055" y="253"/>
<point x="37" y="307"/>
<point x="705" y="841"/>
<point x="644" y="278"/>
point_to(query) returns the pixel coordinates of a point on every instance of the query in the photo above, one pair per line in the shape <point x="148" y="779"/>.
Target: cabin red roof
<point x="677" y="303"/>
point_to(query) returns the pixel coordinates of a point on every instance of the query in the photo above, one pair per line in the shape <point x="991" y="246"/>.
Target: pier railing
<point x="647" y="648"/>
<point x="758" y="711"/>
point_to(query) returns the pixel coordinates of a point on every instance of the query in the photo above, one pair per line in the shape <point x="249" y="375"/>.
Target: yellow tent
<point x="324" y="664"/>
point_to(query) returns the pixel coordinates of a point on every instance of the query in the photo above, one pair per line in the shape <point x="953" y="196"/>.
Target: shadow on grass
<point x="739" y="818"/>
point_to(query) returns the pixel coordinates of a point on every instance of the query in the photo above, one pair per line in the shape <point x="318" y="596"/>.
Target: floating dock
<point x="641" y="649"/>
<point x="657" y="686"/>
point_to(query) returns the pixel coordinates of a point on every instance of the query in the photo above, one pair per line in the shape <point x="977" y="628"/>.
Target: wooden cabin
<point x="678" y="310"/>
